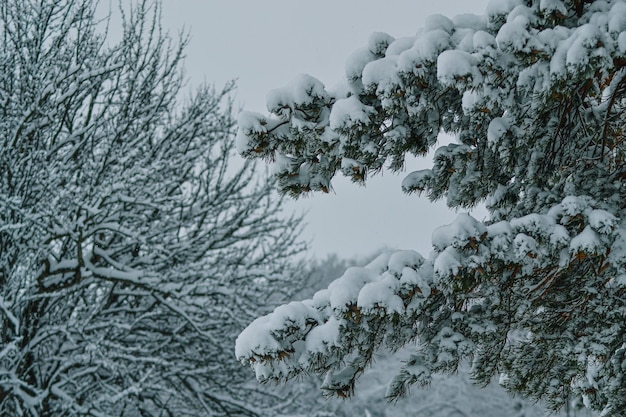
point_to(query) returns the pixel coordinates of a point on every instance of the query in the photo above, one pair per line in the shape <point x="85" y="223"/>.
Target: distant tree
<point x="535" y="93"/>
<point x="132" y="249"/>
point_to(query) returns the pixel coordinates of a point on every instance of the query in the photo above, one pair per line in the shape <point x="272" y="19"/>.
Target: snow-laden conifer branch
<point x="532" y="93"/>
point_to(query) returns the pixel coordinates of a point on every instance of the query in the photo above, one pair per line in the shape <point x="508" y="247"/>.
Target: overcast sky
<point x="264" y="44"/>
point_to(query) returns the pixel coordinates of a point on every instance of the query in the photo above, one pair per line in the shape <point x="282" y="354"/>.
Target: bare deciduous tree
<point x="131" y="249"/>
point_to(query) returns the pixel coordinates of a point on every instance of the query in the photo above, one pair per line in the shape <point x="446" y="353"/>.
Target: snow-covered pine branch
<point x="534" y="93"/>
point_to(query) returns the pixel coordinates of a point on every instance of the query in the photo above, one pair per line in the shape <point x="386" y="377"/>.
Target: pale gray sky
<point x="264" y="44"/>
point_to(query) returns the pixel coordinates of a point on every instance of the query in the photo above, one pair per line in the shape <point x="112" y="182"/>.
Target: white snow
<point x="401" y="259"/>
<point x="322" y="337"/>
<point x="411" y="278"/>
<point x="400" y="45"/>
<point x="483" y="40"/>
<point x="381" y="294"/>
<point x="256" y="338"/>
<point x="453" y="65"/>
<point x="357" y="61"/>
<point x="416" y="180"/>
<point x="470" y="21"/>
<point x="534" y="224"/>
<point x="524" y="246"/>
<point x="551" y="6"/>
<point x="378" y="42"/>
<point x="559" y="236"/>
<point x="448" y="263"/>
<point x="439" y="22"/>
<point x="469" y="100"/>
<point x="344" y="291"/>
<point x="501" y="7"/>
<point x="617" y="257"/>
<point x="382" y="74"/>
<point x="513" y="35"/>
<point x="621" y="42"/>
<point x="498" y="127"/>
<point x="348" y="112"/>
<point x="586" y="44"/>
<point x="587" y="241"/>
<point x="300" y="91"/>
<point x="617" y="18"/>
<point x="602" y="221"/>
<point x="426" y="48"/>
<point x="249" y="122"/>
<point x="573" y="205"/>
<point x="459" y="233"/>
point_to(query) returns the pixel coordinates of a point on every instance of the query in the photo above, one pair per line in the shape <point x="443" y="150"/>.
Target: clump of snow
<point x="417" y="180"/>
<point x="379" y="264"/>
<point x="501" y="7"/>
<point x="617" y="256"/>
<point x="524" y="246"/>
<point x="587" y="241"/>
<point x="448" y="263"/>
<point x="453" y="65"/>
<point x="501" y="236"/>
<point x="459" y="233"/>
<point x="249" y="123"/>
<point x="349" y="112"/>
<point x="301" y="91"/>
<point x="320" y="338"/>
<point x="344" y="291"/>
<point x="357" y="61"/>
<point x="498" y="127"/>
<point x="602" y="221"/>
<point x="411" y="278"/>
<point x="283" y="164"/>
<point x="469" y="100"/>
<point x="573" y="205"/>
<point x="586" y="44"/>
<point x="559" y="236"/>
<point x="340" y="379"/>
<point x="383" y="75"/>
<point x="256" y="338"/>
<point x="381" y="294"/>
<point x="378" y="42"/>
<point x="416" y="368"/>
<point x="551" y="6"/>
<point x="264" y="333"/>
<point x="349" y="165"/>
<point x="483" y="40"/>
<point x="450" y="342"/>
<point x="401" y="259"/>
<point x="400" y="45"/>
<point x="621" y="42"/>
<point x="513" y="35"/>
<point x="617" y="18"/>
<point x="321" y="299"/>
<point x="426" y="48"/>
<point x="557" y="62"/>
<point x="534" y="224"/>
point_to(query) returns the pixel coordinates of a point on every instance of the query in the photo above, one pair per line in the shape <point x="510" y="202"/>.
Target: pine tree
<point x="534" y="92"/>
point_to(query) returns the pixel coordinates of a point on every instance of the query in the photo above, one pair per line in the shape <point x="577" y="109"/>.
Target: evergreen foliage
<point x="534" y="91"/>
